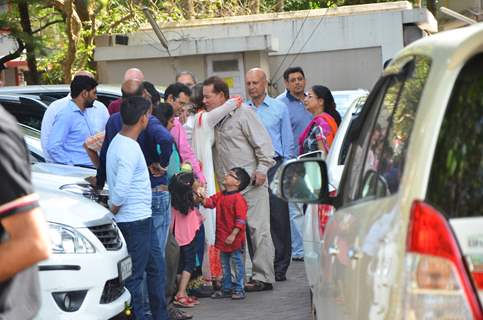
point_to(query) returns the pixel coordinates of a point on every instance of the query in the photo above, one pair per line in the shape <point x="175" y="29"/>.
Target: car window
<point x="26" y="112"/>
<point x="344" y="150"/>
<point x="391" y="134"/>
<point x="456" y="179"/>
<point x="378" y="137"/>
<point x="357" y="139"/>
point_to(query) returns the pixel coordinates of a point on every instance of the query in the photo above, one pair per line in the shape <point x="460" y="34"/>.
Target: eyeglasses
<point x="233" y="175"/>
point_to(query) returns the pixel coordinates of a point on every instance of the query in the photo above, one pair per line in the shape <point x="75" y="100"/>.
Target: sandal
<point x="221" y="295"/>
<point x="238" y="295"/>
<point x="194" y="300"/>
<point x="183" y="302"/>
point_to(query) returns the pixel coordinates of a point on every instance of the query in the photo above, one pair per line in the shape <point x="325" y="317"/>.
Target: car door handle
<point x="354" y="254"/>
<point x="333" y="250"/>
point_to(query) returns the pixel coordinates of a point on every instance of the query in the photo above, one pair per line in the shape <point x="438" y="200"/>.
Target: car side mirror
<point x="303" y="180"/>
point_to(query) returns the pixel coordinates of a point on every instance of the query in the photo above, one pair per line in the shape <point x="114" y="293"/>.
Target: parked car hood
<point x="64" y="207"/>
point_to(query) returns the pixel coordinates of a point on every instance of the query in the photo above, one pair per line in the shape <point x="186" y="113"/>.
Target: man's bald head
<point x="132" y="87"/>
<point x="256" y="84"/>
<point x="258" y="73"/>
<point x="134" y="73"/>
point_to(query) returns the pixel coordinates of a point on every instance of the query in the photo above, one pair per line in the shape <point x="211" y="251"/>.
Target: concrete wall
<point x="159" y="71"/>
<point x="343" y="48"/>
<point x="338" y="70"/>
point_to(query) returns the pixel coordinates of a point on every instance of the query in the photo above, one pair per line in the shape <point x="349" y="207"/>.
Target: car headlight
<point x="67" y="240"/>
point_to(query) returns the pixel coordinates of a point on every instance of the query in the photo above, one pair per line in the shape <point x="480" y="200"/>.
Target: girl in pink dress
<point x="185" y="223"/>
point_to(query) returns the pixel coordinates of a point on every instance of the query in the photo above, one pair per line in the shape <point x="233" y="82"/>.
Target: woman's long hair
<point x="329" y="103"/>
<point x="181" y="189"/>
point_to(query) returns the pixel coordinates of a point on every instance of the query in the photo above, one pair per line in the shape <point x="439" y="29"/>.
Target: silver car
<point x="406" y="240"/>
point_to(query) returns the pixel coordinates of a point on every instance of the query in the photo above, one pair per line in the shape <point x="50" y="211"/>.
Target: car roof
<point x="450" y="47"/>
<point x="110" y="89"/>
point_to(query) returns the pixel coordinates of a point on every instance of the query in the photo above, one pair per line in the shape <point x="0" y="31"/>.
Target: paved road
<point x="290" y="300"/>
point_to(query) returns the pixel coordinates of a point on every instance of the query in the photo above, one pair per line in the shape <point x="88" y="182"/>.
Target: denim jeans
<point x="238" y="263"/>
<point x="143" y="247"/>
<point x="296" y="222"/>
<point x="161" y="207"/>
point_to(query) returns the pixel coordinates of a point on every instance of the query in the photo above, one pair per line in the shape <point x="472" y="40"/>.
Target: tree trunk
<point x="188" y="9"/>
<point x="255" y="7"/>
<point x="431" y="4"/>
<point x="32" y="77"/>
<point x="73" y="27"/>
<point x="279" y="6"/>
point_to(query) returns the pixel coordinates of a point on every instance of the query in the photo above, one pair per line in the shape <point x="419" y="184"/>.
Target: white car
<point x="406" y="240"/>
<point x="345" y="98"/>
<point x="84" y="277"/>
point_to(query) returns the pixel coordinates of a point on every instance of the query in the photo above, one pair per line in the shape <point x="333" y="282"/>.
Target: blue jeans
<point x="296" y="222"/>
<point x="143" y="247"/>
<point x="239" y="265"/>
<point x="161" y="207"/>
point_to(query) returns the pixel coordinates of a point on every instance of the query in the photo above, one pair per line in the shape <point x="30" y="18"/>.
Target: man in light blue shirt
<point x="98" y="115"/>
<point x="130" y="202"/>
<point x="72" y="125"/>
<point x="275" y="118"/>
<point x="293" y="98"/>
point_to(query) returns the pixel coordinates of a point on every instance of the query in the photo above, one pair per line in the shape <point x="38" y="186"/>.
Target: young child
<point x="186" y="222"/>
<point x="231" y="217"/>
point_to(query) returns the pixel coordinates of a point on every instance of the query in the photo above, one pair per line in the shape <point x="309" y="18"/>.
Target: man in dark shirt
<point x="23" y="222"/>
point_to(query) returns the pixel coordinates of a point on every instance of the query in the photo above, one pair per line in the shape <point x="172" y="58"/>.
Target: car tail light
<point x="478" y="279"/>
<point x="437" y="282"/>
<point x="325" y="212"/>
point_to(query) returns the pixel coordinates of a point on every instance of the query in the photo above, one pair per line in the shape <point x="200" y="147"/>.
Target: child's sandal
<point x="183" y="302"/>
<point x="193" y="300"/>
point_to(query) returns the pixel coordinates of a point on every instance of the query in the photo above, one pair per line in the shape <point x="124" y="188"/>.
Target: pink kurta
<point x="185" y="150"/>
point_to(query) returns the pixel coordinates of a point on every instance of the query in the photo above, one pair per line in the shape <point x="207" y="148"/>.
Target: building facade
<point x="342" y="48"/>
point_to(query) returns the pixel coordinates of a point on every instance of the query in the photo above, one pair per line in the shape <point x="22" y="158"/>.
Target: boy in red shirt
<point x="231" y="217"/>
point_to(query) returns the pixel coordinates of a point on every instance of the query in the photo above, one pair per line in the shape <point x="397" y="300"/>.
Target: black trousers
<point x="279" y="227"/>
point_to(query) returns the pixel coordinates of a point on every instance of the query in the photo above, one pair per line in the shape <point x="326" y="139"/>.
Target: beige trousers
<point x="258" y="225"/>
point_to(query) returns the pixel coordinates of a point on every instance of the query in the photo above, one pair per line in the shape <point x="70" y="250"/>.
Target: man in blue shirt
<point x="293" y="98"/>
<point x="98" y="116"/>
<point x="130" y="202"/>
<point x="72" y="125"/>
<point x="275" y="118"/>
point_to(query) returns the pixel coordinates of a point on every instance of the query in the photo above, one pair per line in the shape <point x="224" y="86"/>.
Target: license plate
<point x="125" y="268"/>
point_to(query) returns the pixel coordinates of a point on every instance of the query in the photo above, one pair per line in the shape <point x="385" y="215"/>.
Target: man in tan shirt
<point x="241" y="140"/>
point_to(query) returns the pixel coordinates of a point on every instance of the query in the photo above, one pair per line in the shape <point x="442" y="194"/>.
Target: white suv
<point x="406" y="240"/>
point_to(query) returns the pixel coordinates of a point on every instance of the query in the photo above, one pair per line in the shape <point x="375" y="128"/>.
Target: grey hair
<point x="186" y="72"/>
